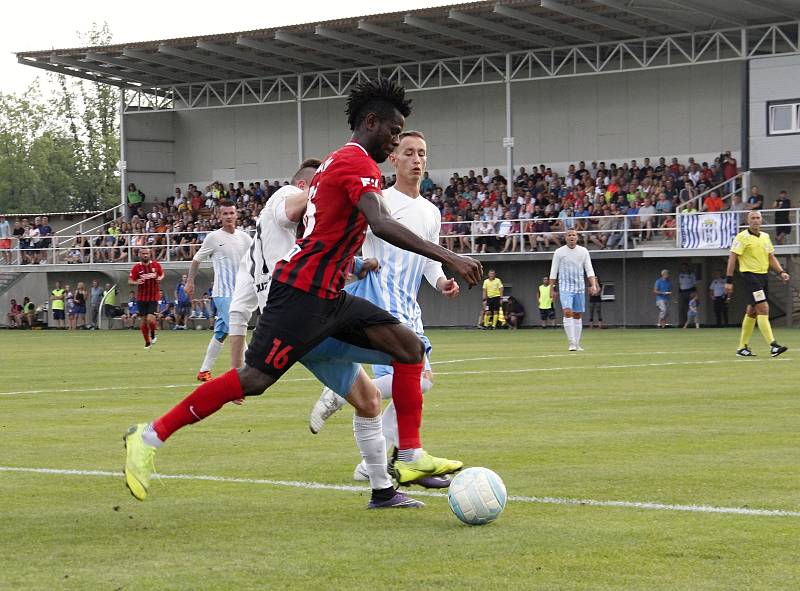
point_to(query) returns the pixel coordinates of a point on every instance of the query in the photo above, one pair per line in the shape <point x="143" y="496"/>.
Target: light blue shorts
<point x="382" y="370"/>
<point x="221" y="327"/>
<point x="336" y="363"/>
<point x="573" y="300"/>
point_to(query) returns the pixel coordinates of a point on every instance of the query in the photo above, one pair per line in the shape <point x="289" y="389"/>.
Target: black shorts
<point x="146" y="308"/>
<point x="294" y="322"/>
<point x="58" y="314"/>
<point x="547" y="313"/>
<point x="755" y="282"/>
<point x="493" y="304"/>
<point x="783" y="230"/>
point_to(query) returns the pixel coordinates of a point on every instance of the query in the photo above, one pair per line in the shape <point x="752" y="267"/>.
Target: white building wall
<point x="150" y="153"/>
<point x="615" y="117"/>
<point x="772" y="79"/>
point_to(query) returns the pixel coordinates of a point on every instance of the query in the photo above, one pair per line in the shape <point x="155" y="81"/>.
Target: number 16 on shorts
<point x="278" y="356"/>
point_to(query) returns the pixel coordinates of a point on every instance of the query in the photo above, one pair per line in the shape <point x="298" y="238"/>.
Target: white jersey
<point x="275" y="236"/>
<point x="569" y="266"/>
<point x="225" y="251"/>
<point x="401" y="271"/>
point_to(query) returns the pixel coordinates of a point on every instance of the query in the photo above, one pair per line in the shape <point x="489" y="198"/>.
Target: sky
<point x="46" y="24"/>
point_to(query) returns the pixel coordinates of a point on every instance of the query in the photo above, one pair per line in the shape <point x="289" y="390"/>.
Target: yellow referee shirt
<point x="753" y="251"/>
<point x="493" y="287"/>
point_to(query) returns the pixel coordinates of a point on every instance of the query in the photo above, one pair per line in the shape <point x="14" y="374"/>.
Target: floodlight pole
<point x="300" y="148"/>
<point x="123" y="165"/>
<point x="508" y="141"/>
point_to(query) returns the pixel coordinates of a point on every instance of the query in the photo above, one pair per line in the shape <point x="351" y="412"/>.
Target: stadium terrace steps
<point x="8" y="279"/>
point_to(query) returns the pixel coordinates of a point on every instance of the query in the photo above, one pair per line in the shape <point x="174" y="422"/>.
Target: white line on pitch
<point x="585" y="367"/>
<point x="362" y="489"/>
<point x="441" y="373"/>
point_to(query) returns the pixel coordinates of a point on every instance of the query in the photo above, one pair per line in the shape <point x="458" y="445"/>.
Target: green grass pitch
<point x="641" y="416"/>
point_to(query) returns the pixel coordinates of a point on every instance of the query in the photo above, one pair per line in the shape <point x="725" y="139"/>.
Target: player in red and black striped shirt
<point x="306" y="306"/>
<point x="147" y="276"/>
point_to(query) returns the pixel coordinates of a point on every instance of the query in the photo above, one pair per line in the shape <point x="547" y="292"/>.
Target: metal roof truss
<point x="734" y="44"/>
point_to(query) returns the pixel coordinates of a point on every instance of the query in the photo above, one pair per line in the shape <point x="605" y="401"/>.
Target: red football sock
<point x="407" y="397"/>
<point x="153" y="327"/>
<point x="145" y="332"/>
<point x="203" y="402"/>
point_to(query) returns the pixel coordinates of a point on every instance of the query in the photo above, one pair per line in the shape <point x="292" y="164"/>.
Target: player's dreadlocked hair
<point x="379" y="96"/>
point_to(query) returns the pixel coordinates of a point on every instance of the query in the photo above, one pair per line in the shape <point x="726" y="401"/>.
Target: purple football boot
<point x="398" y="501"/>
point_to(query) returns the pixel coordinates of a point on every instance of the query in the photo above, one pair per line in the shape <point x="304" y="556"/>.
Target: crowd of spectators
<point x="532" y="210"/>
<point x="480" y="212"/>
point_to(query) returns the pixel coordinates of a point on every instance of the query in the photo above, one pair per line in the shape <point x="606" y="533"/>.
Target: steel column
<point x="300" y="147"/>
<point x="509" y="126"/>
<point x="123" y="165"/>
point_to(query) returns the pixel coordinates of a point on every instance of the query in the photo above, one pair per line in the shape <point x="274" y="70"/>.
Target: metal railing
<point x="521" y="235"/>
<point x="99" y="220"/>
<point x="738" y="185"/>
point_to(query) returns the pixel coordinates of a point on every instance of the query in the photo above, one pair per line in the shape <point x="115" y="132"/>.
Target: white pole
<point x="509" y="139"/>
<point x="300" y="147"/>
<point x="123" y="165"/>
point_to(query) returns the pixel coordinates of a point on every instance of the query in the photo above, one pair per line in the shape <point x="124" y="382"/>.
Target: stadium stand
<point x="612" y="206"/>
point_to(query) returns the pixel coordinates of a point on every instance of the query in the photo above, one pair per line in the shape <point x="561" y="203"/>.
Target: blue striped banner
<point x="708" y="230"/>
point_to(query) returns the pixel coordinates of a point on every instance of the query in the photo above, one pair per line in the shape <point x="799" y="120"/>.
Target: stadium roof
<point x="458" y="30"/>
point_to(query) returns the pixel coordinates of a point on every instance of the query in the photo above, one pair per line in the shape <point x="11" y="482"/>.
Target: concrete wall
<point x="613" y="117"/>
<point x="150" y="153"/>
<point x="771" y="79"/>
<point x="634" y="304"/>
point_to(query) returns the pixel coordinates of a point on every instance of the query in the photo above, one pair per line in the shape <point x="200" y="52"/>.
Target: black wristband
<point x="729" y="279"/>
<point x="781" y="272"/>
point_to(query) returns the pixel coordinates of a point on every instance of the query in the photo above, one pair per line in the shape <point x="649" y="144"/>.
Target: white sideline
<point x="440" y="373"/>
<point x="362" y="489"/>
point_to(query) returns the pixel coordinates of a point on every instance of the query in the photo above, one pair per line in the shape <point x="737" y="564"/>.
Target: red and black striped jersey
<point x="149" y="290"/>
<point x="335" y="228"/>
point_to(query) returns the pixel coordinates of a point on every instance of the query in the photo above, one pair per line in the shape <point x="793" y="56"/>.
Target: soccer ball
<point x="477" y="496"/>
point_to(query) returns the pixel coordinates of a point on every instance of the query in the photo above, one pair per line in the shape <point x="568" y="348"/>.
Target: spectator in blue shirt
<point x="426" y="184"/>
<point x="663" y="293"/>
<point x="183" y="304"/>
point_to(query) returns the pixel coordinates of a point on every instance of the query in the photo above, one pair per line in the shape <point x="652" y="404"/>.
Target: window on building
<point x="783" y="117"/>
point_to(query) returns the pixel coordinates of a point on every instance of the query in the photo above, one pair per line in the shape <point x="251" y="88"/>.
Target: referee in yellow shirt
<point x="492" y="296"/>
<point x="754" y="251"/>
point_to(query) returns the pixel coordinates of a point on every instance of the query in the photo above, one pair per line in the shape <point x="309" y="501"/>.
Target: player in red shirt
<point x="306" y="304"/>
<point x="147" y="276"/>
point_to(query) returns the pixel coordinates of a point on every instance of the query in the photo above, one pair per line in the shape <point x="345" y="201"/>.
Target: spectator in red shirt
<point x="675" y="168"/>
<point x="713" y="203"/>
<point x="197" y="201"/>
<point x="729" y="171"/>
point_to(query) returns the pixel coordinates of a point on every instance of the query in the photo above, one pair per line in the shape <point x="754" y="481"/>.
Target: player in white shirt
<point x="394" y="286"/>
<point x="570" y="263"/>
<point x="225" y="247"/>
<point x="333" y="362"/>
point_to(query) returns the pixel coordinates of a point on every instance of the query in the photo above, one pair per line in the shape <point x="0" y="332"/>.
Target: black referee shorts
<point x="757" y="286"/>
<point x="146" y="308"/>
<point x="294" y="322"/>
<point x="493" y="304"/>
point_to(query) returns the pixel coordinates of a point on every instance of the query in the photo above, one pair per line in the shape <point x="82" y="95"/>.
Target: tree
<point x="60" y="154"/>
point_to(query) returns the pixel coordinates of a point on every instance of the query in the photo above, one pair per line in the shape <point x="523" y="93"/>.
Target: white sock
<point x="369" y="437"/>
<point x="568" y="329"/>
<point x="389" y="422"/>
<point x="214" y="347"/>
<point x="577" y="329"/>
<point x="384" y="385"/>
<point x="409" y="455"/>
<point x="150" y="437"/>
